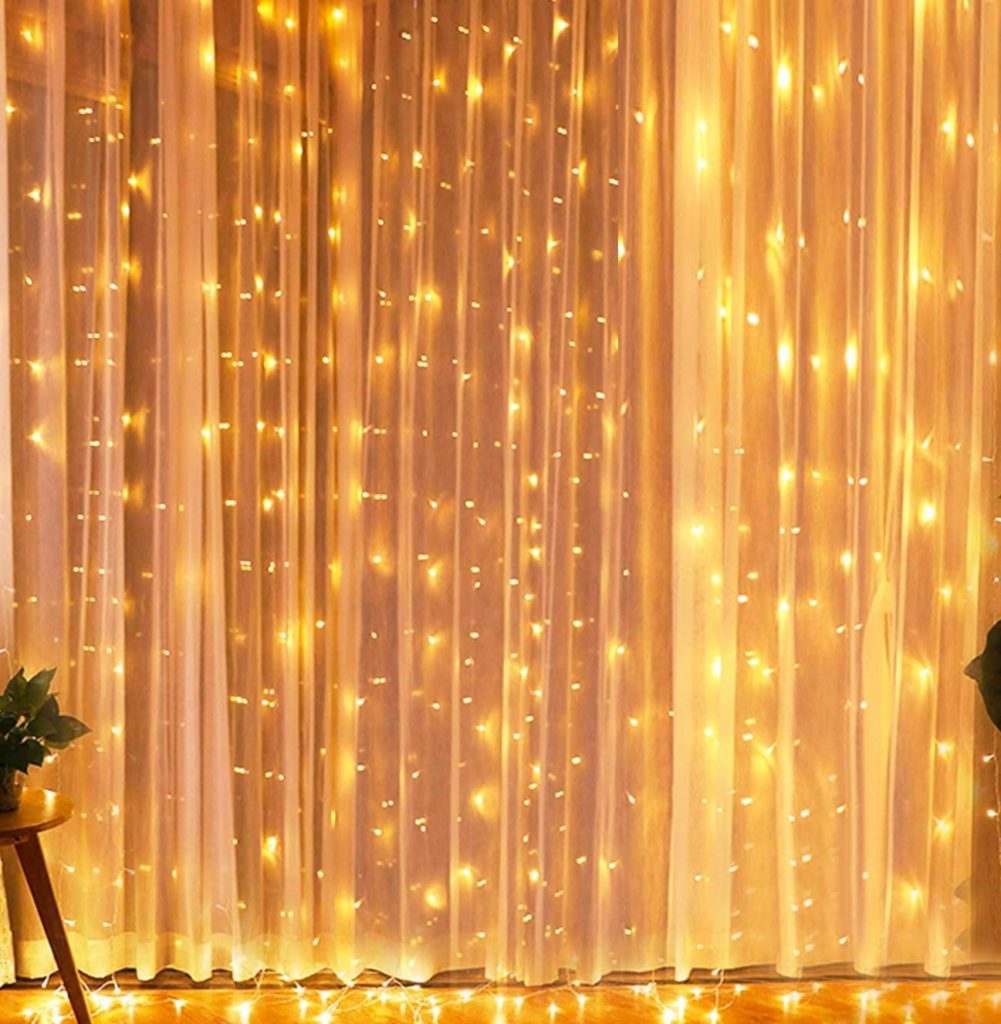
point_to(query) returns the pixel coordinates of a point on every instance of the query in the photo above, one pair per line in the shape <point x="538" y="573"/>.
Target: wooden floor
<point x="871" y="1002"/>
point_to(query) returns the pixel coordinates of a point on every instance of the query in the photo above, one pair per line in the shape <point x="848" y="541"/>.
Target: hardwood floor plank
<point x="872" y="1002"/>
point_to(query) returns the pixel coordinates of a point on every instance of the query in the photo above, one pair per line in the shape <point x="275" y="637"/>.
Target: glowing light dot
<point x="783" y="77"/>
<point x="851" y="357"/>
<point x="927" y="512"/>
<point x="846" y="559"/>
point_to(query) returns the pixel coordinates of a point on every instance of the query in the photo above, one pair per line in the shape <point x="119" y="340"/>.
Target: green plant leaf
<point x="26" y="696"/>
<point x="14" y="690"/>
<point x="31" y="725"/>
<point x="35" y="751"/>
<point x="37" y="691"/>
<point x="67" y="730"/>
<point x="14" y="753"/>
<point x="985" y="669"/>
<point x="45" y="722"/>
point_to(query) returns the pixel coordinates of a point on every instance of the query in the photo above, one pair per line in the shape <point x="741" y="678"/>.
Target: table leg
<point x="29" y="853"/>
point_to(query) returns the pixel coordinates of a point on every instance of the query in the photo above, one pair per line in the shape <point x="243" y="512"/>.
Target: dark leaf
<point x="37" y="690"/>
<point x="67" y="730"/>
<point x="985" y="669"/>
<point x="14" y="691"/>
<point x="35" y="751"/>
<point x="45" y="722"/>
<point x="14" y="754"/>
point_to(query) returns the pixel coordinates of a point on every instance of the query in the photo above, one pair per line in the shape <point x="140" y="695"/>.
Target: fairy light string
<point x="507" y="498"/>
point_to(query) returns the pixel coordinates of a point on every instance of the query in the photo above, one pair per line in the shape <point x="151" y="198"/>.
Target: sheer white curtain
<point x="510" y="483"/>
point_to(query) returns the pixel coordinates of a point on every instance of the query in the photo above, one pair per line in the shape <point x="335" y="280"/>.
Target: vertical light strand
<point x="613" y="651"/>
<point x="309" y="640"/>
<point x="283" y="395"/>
<point x="645" y="207"/>
<point x="878" y="299"/>
<point x="686" y="671"/>
<point x="347" y="518"/>
<point x="553" y="659"/>
<point x="416" y="133"/>
<point x="785" y="79"/>
<point x="716" y="499"/>
<point x="243" y="276"/>
<point x="511" y="223"/>
<point x="6" y="435"/>
<point x="467" y="189"/>
<point x="893" y="47"/>
<point x="905" y="430"/>
<point x="980" y="568"/>
<point x="752" y="818"/>
<point x="356" y="458"/>
<point x="945" y="206"/>
<point x="95" y="340"/>
<point x="863" y="350"/>
<point x="192" y="622"/>
<point x="214" y="824"/>
<point x="7" y="592"/>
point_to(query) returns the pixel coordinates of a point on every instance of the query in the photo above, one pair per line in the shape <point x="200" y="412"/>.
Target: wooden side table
<point x="40" y="810"/>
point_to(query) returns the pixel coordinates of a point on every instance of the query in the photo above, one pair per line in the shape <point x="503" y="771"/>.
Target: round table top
<point x="40" y="810"/>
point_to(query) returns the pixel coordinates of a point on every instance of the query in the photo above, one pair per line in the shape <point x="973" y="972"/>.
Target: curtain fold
<point x="511" y="485"/>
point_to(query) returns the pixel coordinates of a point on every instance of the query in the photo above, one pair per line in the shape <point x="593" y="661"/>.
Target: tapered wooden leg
<point x="29" y="853"/>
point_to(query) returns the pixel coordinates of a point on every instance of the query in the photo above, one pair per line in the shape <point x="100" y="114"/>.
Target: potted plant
<point x="31" y="728"/>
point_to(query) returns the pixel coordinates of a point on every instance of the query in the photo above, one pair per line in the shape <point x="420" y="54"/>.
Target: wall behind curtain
<point x="510" y="482"/>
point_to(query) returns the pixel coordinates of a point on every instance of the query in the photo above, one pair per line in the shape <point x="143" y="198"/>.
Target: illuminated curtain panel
<point x="510" y="483"/>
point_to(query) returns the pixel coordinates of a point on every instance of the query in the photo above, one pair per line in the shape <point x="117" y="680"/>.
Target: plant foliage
<point x="31" y="725"/>
<point x="986" y="670"/>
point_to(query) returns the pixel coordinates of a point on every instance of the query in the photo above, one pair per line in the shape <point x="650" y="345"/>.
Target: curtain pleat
<point x="511" y="485"/>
